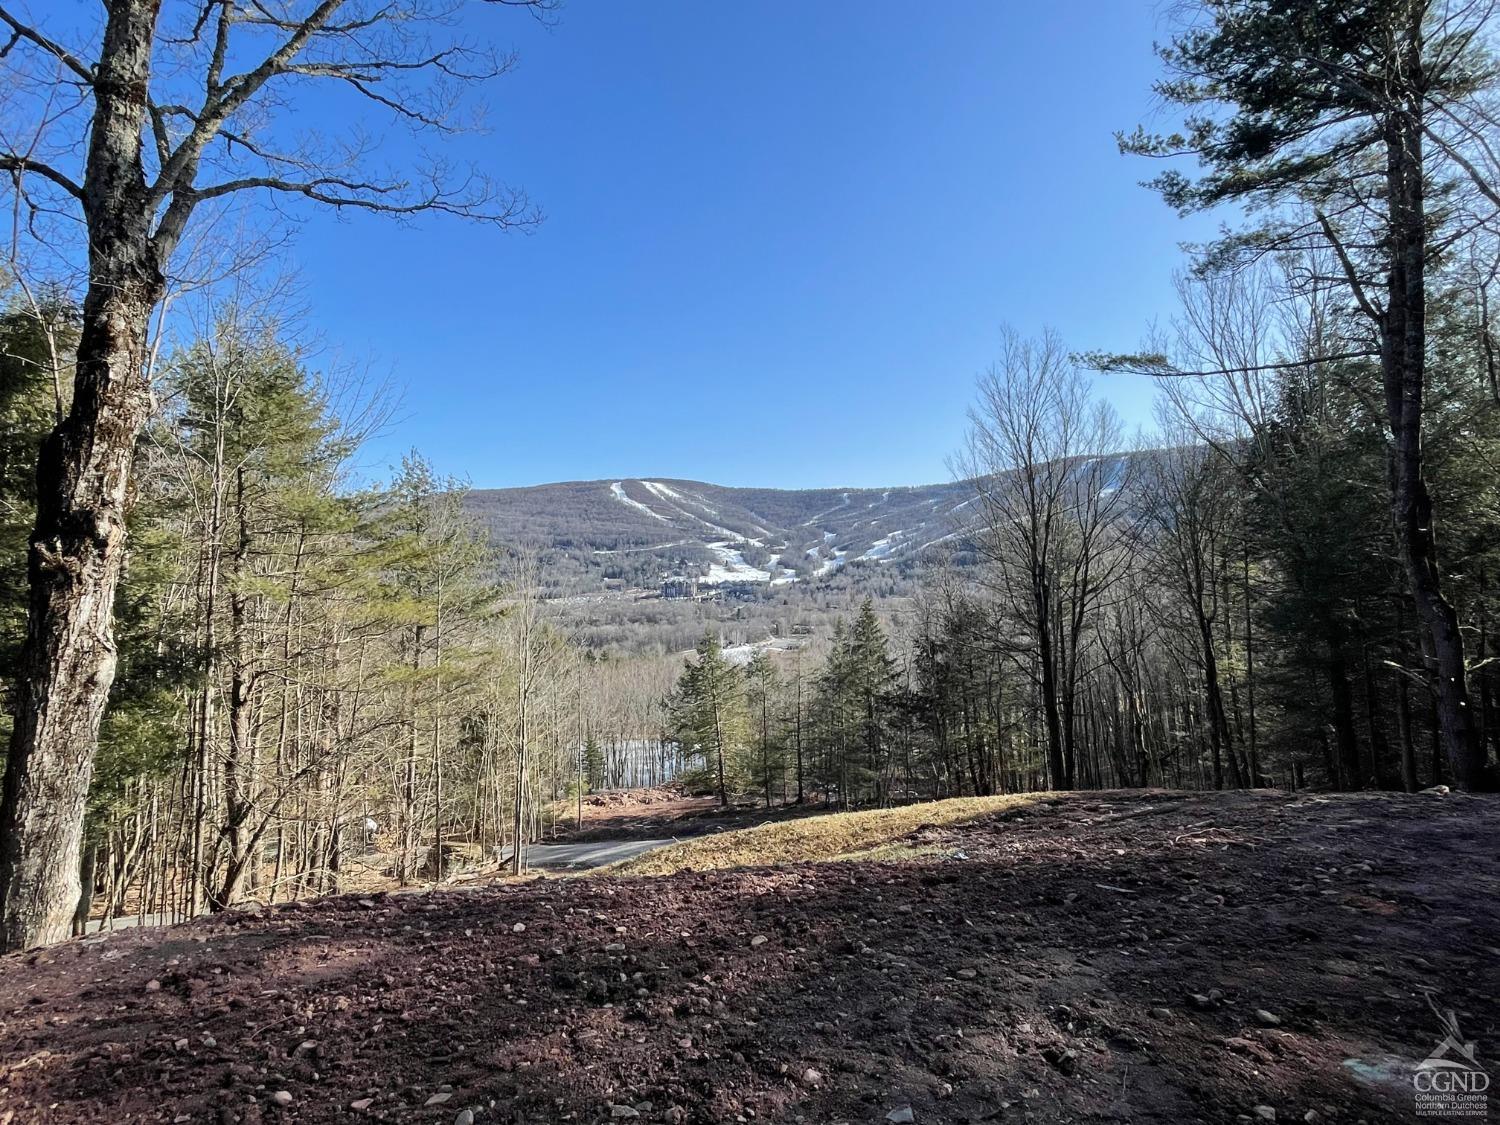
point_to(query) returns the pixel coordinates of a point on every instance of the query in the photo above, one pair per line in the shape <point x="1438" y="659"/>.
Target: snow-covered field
<point x="742" y="654"/>
<point x="882" y="548"/>
<point x="731" y="567"/>
<point x="832" y="564"/>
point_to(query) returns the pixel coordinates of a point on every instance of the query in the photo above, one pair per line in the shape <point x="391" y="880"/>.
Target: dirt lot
<point x="1103" y="957"/>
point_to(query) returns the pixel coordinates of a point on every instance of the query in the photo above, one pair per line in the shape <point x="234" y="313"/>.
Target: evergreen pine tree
<point x="762" y="688"/>
<point x="708" y="717"/>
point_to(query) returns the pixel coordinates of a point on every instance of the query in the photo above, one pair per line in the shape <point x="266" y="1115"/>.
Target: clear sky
<point x="780" y="239"/>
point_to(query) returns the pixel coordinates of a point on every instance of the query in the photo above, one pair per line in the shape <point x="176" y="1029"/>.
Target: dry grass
<point x="816" y="839"/>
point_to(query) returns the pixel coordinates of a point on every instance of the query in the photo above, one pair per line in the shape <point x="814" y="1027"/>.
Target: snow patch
<point x="679" y="502"/>
<point x="642" y="550"/>
<point x="618" y="488"/>
<point x="741" y="654"/>
<point x="828" y="512"/>
<point x="832" y="564"/>
<point x="881" y="549"/>
<point x="939" y="539"/>
<point x="731" y="567"/>
<point x="666" y="492"/>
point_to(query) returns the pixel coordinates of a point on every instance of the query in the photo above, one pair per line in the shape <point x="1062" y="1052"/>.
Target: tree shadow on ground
<point x="1103" y="958"/>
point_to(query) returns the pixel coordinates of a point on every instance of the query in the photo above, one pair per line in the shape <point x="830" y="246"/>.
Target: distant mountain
<point x="641" y="533"/>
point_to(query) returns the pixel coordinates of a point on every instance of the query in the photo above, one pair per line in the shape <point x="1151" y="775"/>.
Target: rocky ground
<point x="1143" y="957"/>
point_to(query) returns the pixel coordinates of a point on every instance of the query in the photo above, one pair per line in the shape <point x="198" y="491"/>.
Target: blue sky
<point x="780" y="240"/>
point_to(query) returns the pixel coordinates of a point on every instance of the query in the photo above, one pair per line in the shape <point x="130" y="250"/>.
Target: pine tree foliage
<point x="709" y="717"/>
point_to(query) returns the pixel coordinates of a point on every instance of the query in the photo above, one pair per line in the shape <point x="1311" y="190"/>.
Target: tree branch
<point x="1159" y="367"/>
<point x="237" y="90"/>
<point x="1350" y="275"/>
<point x="337" y="192"/>
<point x="20" y="165"/>
<point x="57" y="50"/>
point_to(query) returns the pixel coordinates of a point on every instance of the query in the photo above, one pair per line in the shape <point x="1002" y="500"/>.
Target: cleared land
<point x="1094" y="957"/>
<point x="815" y="839"/>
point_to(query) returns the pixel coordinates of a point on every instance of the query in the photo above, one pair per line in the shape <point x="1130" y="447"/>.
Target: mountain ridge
<point x="642" y="531"/>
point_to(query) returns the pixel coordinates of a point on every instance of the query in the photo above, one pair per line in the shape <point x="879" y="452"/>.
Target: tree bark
<point x="518" y="850"/>
<point x="239" y="763"/>
<point x="1344" y="754"/>
<point x="67" y="663"/>
<point x="1403" y="364"/>
<point x="1408" y="750"/>
<point x="1218" y="720"/>
<point x="87" y="873"/>
<point x="1056" y="762"/>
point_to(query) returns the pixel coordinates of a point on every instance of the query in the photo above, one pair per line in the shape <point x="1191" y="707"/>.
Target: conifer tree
<point x="708" y="717"/>
<point x="28" y="409"/>
<point x="439" y="584"/>
<point x="871" y="677"/>
<point x="762" y="688"/>
<point x="1360" y="133"/>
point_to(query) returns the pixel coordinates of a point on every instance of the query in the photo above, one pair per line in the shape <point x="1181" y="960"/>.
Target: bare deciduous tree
<point x="114" y="146"/>
<point x="1051" y="482"/>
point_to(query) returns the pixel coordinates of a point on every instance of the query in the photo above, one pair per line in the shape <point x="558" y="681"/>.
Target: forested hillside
<point x="641" y="531"/>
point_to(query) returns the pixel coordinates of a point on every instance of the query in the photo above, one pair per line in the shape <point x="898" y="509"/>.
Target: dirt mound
<point x="1102" y="957"/>
<point x="617" y="799"/>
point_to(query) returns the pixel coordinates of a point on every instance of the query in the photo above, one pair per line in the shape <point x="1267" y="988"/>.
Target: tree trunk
<point x="1373" y="723"/>
<point x="1255" y="774"/>
<point x="1404" y="366"/>
<point x="719" y="756"/>
<point x="1055" y="761"/>
<point x="1408" y="749"/>
<point x="408" y="830"/>
<point x="1344" y="754"/>
<point x="239" y="762"/>
<point x="518" y="850"/>
<point x="86" y="888"/>
<point x="1218" y="719"/>
<point x="67" y="663"/>
<point x="799" y="738"/>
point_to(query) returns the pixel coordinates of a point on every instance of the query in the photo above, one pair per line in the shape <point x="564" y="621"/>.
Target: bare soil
<point x="632" y="814"/>
<point x="1099" y="957"/>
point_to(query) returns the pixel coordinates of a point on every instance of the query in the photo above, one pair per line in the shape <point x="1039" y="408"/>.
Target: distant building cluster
<point x="679" y="587"/>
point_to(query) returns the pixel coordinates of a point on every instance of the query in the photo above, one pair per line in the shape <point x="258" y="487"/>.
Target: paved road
<point x="578" y="857"/>
<point x="552" y="857"/>
<point x="128" y="921"/>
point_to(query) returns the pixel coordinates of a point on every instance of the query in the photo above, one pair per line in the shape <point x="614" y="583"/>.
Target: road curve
<point x="580" y="857"/>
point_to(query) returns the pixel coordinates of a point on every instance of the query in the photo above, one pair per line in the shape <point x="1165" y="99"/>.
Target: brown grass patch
<point x="817" y="839"/>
